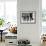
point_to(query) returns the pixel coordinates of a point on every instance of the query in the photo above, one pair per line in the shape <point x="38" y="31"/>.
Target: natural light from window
<point x="43" y="4"/>
<point x="8" y="11"/>
<point x="43" y="16"/>
<point x="11" y="11"/>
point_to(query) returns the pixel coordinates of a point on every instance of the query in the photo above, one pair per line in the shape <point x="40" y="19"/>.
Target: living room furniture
<point x="11" y="39"/>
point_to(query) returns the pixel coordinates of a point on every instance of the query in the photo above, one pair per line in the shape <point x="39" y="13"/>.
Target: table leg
<point x="1" y="36"/>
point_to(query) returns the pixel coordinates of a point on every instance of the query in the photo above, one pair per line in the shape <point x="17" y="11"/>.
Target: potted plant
<point x="1" y="22"/>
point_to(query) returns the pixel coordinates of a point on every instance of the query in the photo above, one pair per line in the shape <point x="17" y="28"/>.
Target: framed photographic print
<point x="28" y="17"/>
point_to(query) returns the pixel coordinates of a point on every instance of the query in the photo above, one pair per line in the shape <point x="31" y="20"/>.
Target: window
<point x="11" y="11"/>
<point x="1" y="9"/>
<point x="44" y="15"/>
<point x="8" y="10"/>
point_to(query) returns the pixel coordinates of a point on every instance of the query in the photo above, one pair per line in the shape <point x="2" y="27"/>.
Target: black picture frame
<point x="28" y="17"/>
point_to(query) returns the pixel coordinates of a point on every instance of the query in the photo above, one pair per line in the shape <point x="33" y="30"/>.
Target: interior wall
<point x="29" y="31"/>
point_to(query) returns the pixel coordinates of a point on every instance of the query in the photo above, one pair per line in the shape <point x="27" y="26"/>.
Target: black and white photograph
<point x="28" y="17"/>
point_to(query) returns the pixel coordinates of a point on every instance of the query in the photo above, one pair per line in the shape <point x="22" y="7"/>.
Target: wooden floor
<point x="2" y="43"/>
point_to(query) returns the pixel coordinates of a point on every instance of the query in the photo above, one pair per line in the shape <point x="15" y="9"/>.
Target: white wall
<point x="29" y="31"/>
